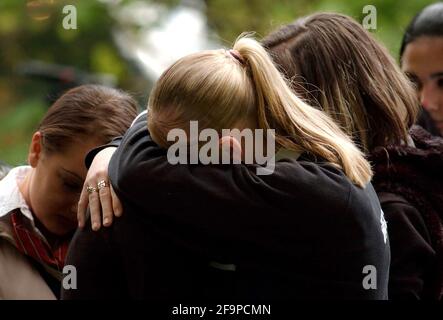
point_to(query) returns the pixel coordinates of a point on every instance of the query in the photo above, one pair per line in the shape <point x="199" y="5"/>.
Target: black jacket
<point x="409" y="182"/>
<point x="425" y="121"/>
<point x="202" y="233"/>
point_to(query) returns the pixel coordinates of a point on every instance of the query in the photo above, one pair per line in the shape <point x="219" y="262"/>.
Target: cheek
<point x="55" y="209"/>
<point x="48" y="198"/>
<point x="45" y="200"/>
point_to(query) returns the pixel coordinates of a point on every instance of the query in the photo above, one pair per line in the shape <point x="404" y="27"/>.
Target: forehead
<point x="424" y="56"/>
<point x="73" y="156"/>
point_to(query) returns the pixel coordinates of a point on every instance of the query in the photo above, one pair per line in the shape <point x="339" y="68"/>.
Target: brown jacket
<point x="18" y="278"/>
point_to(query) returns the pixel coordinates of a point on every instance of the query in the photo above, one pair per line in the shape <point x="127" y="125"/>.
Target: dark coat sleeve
<point x="139" y="170"/>
<point x="96" y="262"/>
<point x="412" y="255"/>
<point x="114" y="143"/>
<point x="304" y="211"/>
<point x="91" y="154"/>
<point x="303" y="231"/>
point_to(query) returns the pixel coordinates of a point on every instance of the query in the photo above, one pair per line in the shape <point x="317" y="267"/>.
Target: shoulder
<point x="10" y="195"/>
<point x="364" y="219"/>
<point x="27" y="284"/>
<point x="389" y="198"/>
<point x="395" y="206"/>
<point x="403" y="218"/>
<point x="310" y="181"/>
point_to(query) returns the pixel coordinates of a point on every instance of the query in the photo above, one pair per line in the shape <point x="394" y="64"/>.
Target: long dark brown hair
<point x="336" y="65"/>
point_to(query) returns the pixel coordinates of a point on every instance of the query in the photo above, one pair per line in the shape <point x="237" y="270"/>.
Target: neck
<point x="24" y="187"/>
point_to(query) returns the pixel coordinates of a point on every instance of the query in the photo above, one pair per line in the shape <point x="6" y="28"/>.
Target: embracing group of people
<point x="352" y="210"/>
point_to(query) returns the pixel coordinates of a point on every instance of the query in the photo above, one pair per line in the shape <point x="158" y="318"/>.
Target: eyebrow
<point x="412" y="76"/>
<point x="74" y="175"/>
<point x="436" y="75"/>
<point x="432" y="76"/>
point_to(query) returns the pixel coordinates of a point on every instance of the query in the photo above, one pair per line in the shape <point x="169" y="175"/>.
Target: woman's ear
<point x="35" y="149"/>
<point x="233" y="146"/>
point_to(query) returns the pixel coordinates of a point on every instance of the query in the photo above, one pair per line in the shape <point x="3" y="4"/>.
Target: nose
<point x="429" y="98"/>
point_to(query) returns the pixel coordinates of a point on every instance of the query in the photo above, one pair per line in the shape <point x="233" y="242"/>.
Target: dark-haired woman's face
<point x="54" y="185"/>
<point x="423" y="62"/>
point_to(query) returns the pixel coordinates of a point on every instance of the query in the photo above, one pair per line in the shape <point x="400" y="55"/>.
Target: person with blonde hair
<point x="311" y="229"/>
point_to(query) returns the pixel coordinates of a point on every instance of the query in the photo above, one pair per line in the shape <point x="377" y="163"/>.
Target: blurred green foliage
<point x="231" y="17"/>
<point x="16" y="128"/>
<point x="32" y="30"/>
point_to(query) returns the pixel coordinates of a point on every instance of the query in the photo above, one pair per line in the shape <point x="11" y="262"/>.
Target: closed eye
<point x="71" y="187"/>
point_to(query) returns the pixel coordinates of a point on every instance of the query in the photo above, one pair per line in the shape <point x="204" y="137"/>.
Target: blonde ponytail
<point x="298" y="126"/>
<point x="243" y="89"/>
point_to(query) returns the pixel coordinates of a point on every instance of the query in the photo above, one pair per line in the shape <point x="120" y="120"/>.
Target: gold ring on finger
<point x="101" y="184"/>
<point x="91" y="189"/>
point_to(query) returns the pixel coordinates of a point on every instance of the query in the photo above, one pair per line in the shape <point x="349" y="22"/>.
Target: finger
<point x="116" y="203"/>
<point x="231" y="149"/>
<point x="106" y="205"/>
<point x="94" y="206"/>
<point x="82" y="207"/>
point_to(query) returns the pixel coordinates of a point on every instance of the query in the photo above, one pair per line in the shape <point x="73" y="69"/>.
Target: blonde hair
<point x="221" y="90"/>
